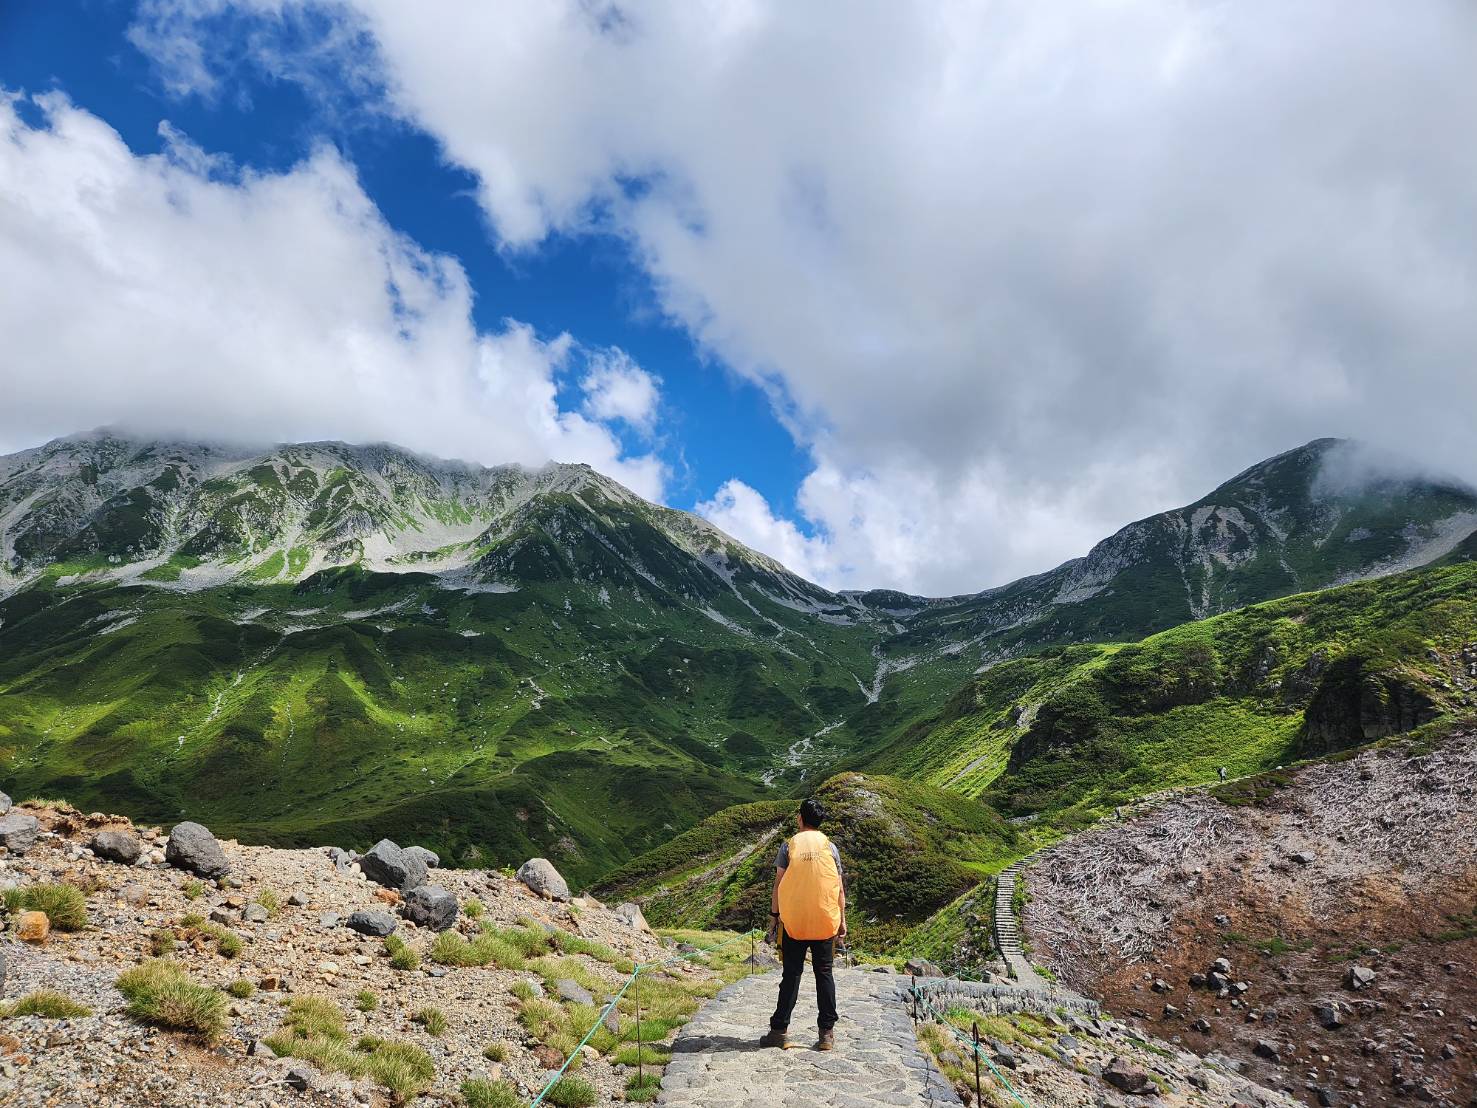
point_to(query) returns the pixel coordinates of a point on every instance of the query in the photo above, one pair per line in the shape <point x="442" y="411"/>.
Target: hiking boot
<point x="774" y="1038"/>
<point x="827" y="1041"/>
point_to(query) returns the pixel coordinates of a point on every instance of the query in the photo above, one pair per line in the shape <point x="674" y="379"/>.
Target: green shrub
<point x="241" y="988"/>
<point x="432" y="1019"/>
<point x="159" y="992"/>
<point x="481" y="1093"/>
<point x="47" y="1005"/>
<point x="64" y="905"/>
<point x="450" y="949"/>
<point x="572" y="1092"/>
<point x="227" y="942"/>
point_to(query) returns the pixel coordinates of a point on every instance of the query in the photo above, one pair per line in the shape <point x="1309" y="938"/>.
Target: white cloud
<point x="616" y="388"/>
<point x="172" y="293"/>
<point x="743" y="512"/>
<point x="1004" y="266"/>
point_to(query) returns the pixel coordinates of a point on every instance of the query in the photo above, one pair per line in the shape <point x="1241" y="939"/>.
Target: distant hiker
<point x="1222" y="772"/>
<point x="807" y="912"/>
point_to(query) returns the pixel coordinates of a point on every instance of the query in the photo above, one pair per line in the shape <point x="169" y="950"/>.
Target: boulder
<point x="117" y="846"/>
<point x="392" y="867"/>
<point x="32" y="927"/>
<point x="631" y="915"/>
<point x="540" y="875"/>
<point x="1002" y="1054"/>
<point x="1329" y="1016"/>
<point x="431" y="906"/>
<point x="429" y="857"/>
<point x="1128" y="1078"/>
<point x="299" y="1078"/>
<point x="1267" y="1049"/>
<point x="921" y="967"/>
<point x="371" y="923"/>
<point x="1359" y="977"/>
<point x="18" y="832"/>
<point x="573" y="991"/>
<point x="4" y="804"/>
<point x="255" y="913"/>
<point x="1221" y="965"/>
<point x="194" y="849"/>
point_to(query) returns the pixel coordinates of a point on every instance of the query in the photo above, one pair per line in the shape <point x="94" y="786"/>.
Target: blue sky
<point x="931" y="297"/>
<point x="716" y="425"/>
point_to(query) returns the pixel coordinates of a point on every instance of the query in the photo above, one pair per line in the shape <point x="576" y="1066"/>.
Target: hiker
<point x="1222" y="772"/>
<point x="807" y="912"/>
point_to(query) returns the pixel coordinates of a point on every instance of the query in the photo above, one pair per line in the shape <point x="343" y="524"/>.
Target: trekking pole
<point x="975" y="1025"/>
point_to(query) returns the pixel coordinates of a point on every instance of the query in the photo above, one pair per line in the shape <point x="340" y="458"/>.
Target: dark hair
<point x="812" y="813"/>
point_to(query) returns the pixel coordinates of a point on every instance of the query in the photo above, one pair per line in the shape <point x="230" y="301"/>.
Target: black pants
<point x="822" y="957"/>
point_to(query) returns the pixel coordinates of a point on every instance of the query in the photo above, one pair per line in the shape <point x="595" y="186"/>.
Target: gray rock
<point x="612" y="1020"/>
<point x="573" y="991"/>
<point x="429" y="857"/>
<point x="1002" y="1054"/>
<point x="221" y="916"/>
<point x="535" y="986"/>
<point x="255" y="913"/>
<point x="1329" y="1017"/>
<point x="1068" y="1043"/>
<point x="2" y="960"/>
<point x="1200" y="1080"/>
<point x="1202" y="1025"/>
<point x="921" y="967"/>
<point x="4" y="804"/>
<point x="431" y="906"/>
<point x="1359" y="977"/>
<point x="1267" y="1049"/>
<point x="259" y="1049"/>
<point x="194" y="849"/>
<point x="299" y="1078"/>
<point x="328" y="919"/>
<point x="117" y="846"/>
<point x="631" y="915"/>
<point x="341" y="859"/>
<point x="540" y="875"/>
<point x="371" y="923"/>
<point x="18" y="832"/>
<point x="1302" y="857"/>
<point x="392" y="867"/>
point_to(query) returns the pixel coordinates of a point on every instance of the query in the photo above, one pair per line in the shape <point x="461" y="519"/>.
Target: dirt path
<point x="717" y="1062"/>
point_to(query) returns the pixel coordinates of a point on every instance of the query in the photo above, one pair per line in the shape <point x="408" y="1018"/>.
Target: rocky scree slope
<point x="486" y="986"/>
<point x="1318" y="925"/>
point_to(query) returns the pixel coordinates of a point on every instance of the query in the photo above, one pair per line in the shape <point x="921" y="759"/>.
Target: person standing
<point x="807" y="915"/>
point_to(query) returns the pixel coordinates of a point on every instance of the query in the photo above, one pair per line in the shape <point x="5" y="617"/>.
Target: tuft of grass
<point x="65" y="905"/>
<point x="572" y="1092"/>
<point x="496" y="1051"/>
<point x="403" y="956"/>
<point x="45" y="1004"/>
<point x="315" y="1033"/>
<point x="366" y="1000"/>
<point x="481" y="1093"/>
<point x="645" y="1053"/>
<point x="432" y="1019"/>
<point x="227" y="942"/>
<point x="523" y="990"/>
<point x="159" y="992"/>
<point x="162" y="942"/>
<point x="473" y="908"/>
<point x="241" y="988"/>
<point x="643" y="1088"/>
<point x="451" y="949"/>
<point x="269" y="900"/>
<point x="193" y="889"/>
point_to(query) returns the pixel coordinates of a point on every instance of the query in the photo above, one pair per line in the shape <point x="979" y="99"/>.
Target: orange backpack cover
<point x="810" y="891"/>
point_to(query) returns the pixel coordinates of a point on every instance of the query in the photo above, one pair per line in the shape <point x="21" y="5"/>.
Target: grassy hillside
<point x="908" y="850"/>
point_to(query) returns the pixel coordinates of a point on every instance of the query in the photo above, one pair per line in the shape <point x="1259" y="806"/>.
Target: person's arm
<point x="841" y="873"/>
<point x="773" y="934"/>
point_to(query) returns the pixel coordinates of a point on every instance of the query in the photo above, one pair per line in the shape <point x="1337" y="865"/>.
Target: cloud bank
<point x="1014" y="273"/>
<point x="174" y="293"/>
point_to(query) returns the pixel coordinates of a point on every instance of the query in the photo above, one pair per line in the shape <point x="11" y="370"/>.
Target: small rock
<point x="1267" y="1049"/>
<point x="1002" y="1054"/>
<point x="4" y="804"/>
<point x="259" y="1049"/>
<point x="1221" y="965"/>
<point x="32" y="927"/>
<point x="431" y="906"/>
<point x="328" y="919"/>
<point x="1202" y="1025"/>
<point x="371" y="923"/>
<point x="18" y="832"/>
<point x="589" y="1053"/>
<point x="1160" y="985"/>
<point x="255" y="913"/>
<point x="299" y="1078"/>
<point x="194" y="849"/>
<point x="298" y="899"/>
<point x="631" y="915"/>
<point x="1128" y="1078"/>
<point x="1200" y="1080"/>
<point x="117" y="846"/>
<point x="921" y="967"/>
<point x="1359" y="977"/>
<point x="540" y="875"/>
<point x="1329" y="1016"/>
<point x="573" y="991"/>
<point x="1302" y="857"/>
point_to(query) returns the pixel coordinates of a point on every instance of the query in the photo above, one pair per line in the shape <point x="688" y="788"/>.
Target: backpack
<point x="810" y="891"/>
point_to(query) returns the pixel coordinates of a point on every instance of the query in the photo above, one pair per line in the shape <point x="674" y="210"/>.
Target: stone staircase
<point x="1007" y="930"/>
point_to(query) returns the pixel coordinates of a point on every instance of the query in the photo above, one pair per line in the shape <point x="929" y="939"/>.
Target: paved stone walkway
<point x="717" y="1062"/>
<point x="1007" y="931"/>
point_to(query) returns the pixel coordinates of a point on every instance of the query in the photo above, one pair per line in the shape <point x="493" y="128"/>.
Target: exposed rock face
<point x="431" y="906"/>
<point x="393" y="867"/>
<point x="117" y="846"/>
<point x="540" y="875"/>
<point x="371" y="923"/>
<point x="193" y="848"/>
<point x="18" y="832"/>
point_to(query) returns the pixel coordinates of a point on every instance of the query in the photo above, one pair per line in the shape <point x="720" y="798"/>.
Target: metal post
<point x="640" y="1049"/>
<point x="976" y="1026"/>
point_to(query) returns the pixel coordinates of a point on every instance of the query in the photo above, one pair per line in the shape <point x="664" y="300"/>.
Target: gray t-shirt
<point x="782" y="860"/>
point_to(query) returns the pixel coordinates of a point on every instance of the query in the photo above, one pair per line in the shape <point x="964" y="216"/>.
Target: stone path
<point x="717" y="1062"/>
<point x="1007" y="930"/>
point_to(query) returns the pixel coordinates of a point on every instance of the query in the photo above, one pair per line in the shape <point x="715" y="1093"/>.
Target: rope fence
<point x="919" y="999"/>
<point x="641" y="967"/>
